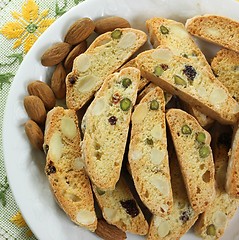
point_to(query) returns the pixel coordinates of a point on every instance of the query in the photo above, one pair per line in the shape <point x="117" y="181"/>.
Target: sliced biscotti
<point x="182" y="217"/>
<point x="225" y="65"/>
<point x="105" y="55"/>
<point x="192" y="145"/>
<point x="143" y="81"/>
<point x="173" y="35"/>
<point x="189" y="81"/>
<point x="232" y="182"/>
<point x="217" y="29"/>
<point x="106" y="127"/>
<point x="148" y="155"/>
<point x="65" y="169"/>
<point x="212" y="223"/>
<point x="119" y="208"/>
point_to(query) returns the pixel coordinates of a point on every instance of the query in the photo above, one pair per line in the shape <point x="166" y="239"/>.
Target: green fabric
<point x="10" y="60"/>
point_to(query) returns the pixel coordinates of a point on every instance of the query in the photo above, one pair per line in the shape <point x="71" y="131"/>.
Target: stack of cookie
<point x="155" y="114"/>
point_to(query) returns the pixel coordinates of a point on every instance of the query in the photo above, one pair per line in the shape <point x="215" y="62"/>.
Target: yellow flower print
<point x="28" y="27"/>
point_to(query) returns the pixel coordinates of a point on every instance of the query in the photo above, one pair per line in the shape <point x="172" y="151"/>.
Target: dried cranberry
<point x="131" y="207"/>
<point x="164" y="66"/>
<point x="185" y="215"/>
<point x="225" y="139"/>
<point x="190" y="72"/>
<point x="72" y="79"/>
<point x="51" y="168"/>
<point x="112" y="120"/>
<point x="115" y="98"/>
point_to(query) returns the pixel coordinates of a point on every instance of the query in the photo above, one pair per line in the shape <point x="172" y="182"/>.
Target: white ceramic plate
<point x="25" y="166"/>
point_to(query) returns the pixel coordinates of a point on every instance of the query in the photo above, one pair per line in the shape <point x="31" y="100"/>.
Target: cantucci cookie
<point x="105" y="55"/>
<point x="189" y="81"/>
<point x="119" y="208"/>
<point x="192" y="145"/>
<point x="143" y="81"/>
<point x="217" y="29"/>
<point x="212" y="223"/>
<point x="65" y="169"/>
<point x="232" y="182"/>
<point x="151" y="86"/>
<point x="226" y="67"/>
<point x="106" y="127"/>
<point x="182" y="217"/>
<point x="148" y="155"/>
<point x="172" y="34"/>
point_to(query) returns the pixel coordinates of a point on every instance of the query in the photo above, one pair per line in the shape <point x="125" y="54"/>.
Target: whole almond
<point x="44" y="92"/>
<point x="108" y="24"/>
<point x="76" y="51"/>
<point x="35" y="109"/>
<point x="109" y="232"/>
<point x="58" y="83"/>
<point x="79" y="31"/>
<point x="34" y="134"/>
<point x="55" y="54"/>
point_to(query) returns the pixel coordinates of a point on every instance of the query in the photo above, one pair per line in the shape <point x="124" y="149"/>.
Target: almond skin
<point x="34" y="134"/>
<point x="76" y="51"/>
<point x="35" y="109"/>
<point x="44" y="92"/>
<point x="109" y="232"/>
<point x="79" y="31"/>
<point x="58" y="83"/>
<point x="55" y="54"/>
<point x="108" y="24"/>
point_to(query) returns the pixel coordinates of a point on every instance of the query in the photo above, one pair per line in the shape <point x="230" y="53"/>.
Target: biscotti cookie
<point x="226" y="67"/>
<point x="119" y="208"/>
<point x="106" y="127"/>
<point x="150" y="87"/>
<point x="143" y="81"/>
<point x="191" y="82"/>
<point x="173" y="35"/>
<point x="217" y="29"/>
<point x="192" y="145"/>
<point x="148" y="155"/>
<point x="182" y="217"/>
<point x="105" y="55"/>
<point x="65" y="169"/>
<point x="212" y="223"/>
<point x="232" y="182"/>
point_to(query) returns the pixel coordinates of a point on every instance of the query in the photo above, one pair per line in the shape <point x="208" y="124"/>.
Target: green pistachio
<point x="204" y="151"/>
<point x="125" y="104"/>
<point x="99" y="191"/>
<point x="211" y="230"/>
<point x="179" y="81"/>
<point x="186" y="129"/>
<point x="149" y="141"/>
<point x="116" y="34"/>
<point x="185" y="55"/>
<point x="163" y="29"/>
<point x="126" y="82"/>
<point x="201" y="137"/>
<point x="154" y="105"/>
<point x="158" y="71"/>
